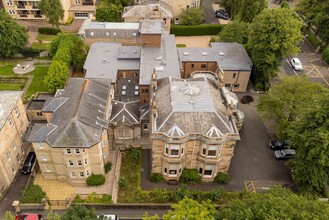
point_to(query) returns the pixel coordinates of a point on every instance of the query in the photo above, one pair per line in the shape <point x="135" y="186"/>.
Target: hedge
<point x="32" y="194"/>
<point x="95" y="180"/>
<point x="222" y="178"/>
<point x="325" y="55"/>
<point x="49" y="31"/>
<point x="190" y="176"/>
<point x="312" y="38"/>
<point x="203" y="29"/>
<point x="156" y="178"/>
<point x="93" y="198"/>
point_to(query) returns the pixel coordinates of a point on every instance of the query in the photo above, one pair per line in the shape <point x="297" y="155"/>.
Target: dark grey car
<point x="284" y="154"/>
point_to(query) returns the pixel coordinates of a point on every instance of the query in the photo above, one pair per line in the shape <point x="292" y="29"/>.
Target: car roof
<point x="290" y="151"/>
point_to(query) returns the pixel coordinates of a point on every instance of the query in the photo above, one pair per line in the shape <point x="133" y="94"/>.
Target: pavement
<point x="208" y="11"/>
<point x="194" y="41"/>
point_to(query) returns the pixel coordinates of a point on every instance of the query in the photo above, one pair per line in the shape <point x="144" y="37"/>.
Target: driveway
<point x="253" y="160"/>
<point x="208" y="12"/>
<point x="13" y="193"/>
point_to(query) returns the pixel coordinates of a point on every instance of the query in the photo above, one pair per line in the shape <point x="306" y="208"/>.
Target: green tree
<point x="234" y="32"/>
<point x="79" y="212"/>
<point x="192" y="16"/>
<point x="53" y="10"/>
<point x="9" y="216"/>
<point x="111" y="13"/>
<point x="250" y="8"/>
<point x="274" y="34"/>
<point x="57" y="75"/>
<point x="232" y="6"/>
<point x="278" y="203"/>
<point x="192" y="210"/>
<point x="53" y="216"/>
<point x="287" y="101"/>
<point x="310" y="135"/>
<point x="13" y="37"/>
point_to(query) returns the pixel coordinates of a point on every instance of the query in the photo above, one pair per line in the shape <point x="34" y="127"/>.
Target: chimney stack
<point x="154" y="81"/>
<point x="154" y="108"/>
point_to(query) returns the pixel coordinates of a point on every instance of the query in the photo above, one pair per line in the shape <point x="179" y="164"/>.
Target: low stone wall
<point x="126" y="206"/>
<point x="26" y="207"/>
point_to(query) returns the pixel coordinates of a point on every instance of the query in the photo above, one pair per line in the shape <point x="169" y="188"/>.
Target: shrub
<point x="190" y="176"/>
<point x="159" y="196"/>
<point x="325" y="55"/>
<point x="49" y="31"/>
<point x="93" y="198"/>
<point x="32" y="194"/>
<point x="31" y="52"/>
<point x="122" y="183"/>
<point x="107" y="167"/>
<point x="95" y="180"/>
<point x="222" y="178"/>
<point x="156" y="178"/>
<point x="285" y="5"/>
<point x="198" y="30"/>
<point x="69" y="20"/>
<point x="312" y="38"/>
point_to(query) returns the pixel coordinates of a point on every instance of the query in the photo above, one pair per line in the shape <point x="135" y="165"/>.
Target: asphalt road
<point x="208" y="12"/>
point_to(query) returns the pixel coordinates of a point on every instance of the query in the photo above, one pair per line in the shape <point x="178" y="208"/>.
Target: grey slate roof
<point x="150" y="27"/>
<point x="102" y="60"/>
<point x="190" y="106"/>
<point x="229" y="56"/>
<point x="79" y="120"/>
<point x="105" y="59"/>
<point x="125" y="113"/>
<point x="8" y="100"/>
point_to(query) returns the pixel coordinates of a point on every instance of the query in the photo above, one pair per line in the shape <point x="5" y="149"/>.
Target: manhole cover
<point x="247" y="99"/>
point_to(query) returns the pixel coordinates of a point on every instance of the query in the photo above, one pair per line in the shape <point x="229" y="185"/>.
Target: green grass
<point x="312" y="38"/>
<point x="37" y="84"/>
<point x="41" y="46"/>
<point x="6" y="70"/>
<point x="11" y="86"/>
<point x="45" y="37"/>
<point x="180" y="45"/>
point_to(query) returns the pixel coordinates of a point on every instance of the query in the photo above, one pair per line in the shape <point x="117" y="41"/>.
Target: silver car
<point x="284" y="154"/>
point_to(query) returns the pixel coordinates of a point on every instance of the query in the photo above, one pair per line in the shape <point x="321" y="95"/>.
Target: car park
<point x="29" y="217"/>
<point x="296" y="64"/>
<point x="29" y="162"/>
<point x="278" y="144"/>
<point x="107" y="217"/>
<point x="284" y="154"/>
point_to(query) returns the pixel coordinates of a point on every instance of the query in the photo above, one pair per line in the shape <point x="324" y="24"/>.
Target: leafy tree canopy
<point x="53" y="10"/>
<point x="192" y="16"/>
<point x="274" y="34"/>
<point x="234" y="32"/>
<point x="111" y="13"/>
<point x="57" y="75"/>
<point x="13" y="37"/>
<point x="79" y="212"/>
<point x="278" y="203"/>
<point x="190" y="209"/>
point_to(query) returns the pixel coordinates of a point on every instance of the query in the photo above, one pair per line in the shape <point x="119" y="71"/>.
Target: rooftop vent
<point x="103" y="60"/>
<point x="186" y="53"/>
<point x="135" y="51"/>
<point x="191" y="102"/>
<point x="221" y="54"/>
<point x="204" y="53"/>
<point x="101" y="73"/>
<point x="159" y="58"/>
<point x="123" y="51"/>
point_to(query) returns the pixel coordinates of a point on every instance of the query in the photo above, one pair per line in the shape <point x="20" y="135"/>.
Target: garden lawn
<point x="7" y="70"/>
<point x="11" y="86"/>
<point x="41" y="46"/>
<point x="37" y="84"/>
<point x="45" y="37"/>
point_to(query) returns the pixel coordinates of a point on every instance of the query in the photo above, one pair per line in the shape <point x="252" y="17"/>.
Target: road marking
<point x="249" y="185"/>
<point x="292" y="68"/>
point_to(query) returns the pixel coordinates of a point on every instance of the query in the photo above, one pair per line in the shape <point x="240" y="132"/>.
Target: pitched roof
<point x="191" y="106"/>
<point x="78" y="121"/>
<point x="125" y="112"/>
<point x="148" y="11"/>
<point x="8" y="100"/>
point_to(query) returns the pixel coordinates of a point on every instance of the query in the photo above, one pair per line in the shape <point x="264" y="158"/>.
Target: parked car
<point x="296" y="64"/>
<point x="284" y="154"/>
<point x="278" y="144"/>
<point x="221" y="14"/>
<point x="222" y="11"/>
<point x="28" y="164"/>
<point x="29" y="217"/>
<point x="107" y="217"/>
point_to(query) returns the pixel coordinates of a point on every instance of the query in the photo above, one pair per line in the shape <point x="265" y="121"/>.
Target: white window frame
<point x="169" y="168"/>
<point x="212" y="148"/>
<point x="124" y="135"/>
<point x="11" y="11"/>
<point x="78" y="2"/>
<point x="44" y="157"/>
<point x="79" y="163"/>
<point x="165" y="169"/>
<point x="105" y="154"/>
<point x="47" y="169"/>
<point x="77" y="151"/>
<point x="10" y="121"/>
<point x="73" y="174"/>
<point x="17" y="113"/>
<point x="166" y="152"/>
<point x="175" y="147"/>
<point x="8" y="156"/>
<point x="86" y="161"/>
<point x="70" y="163"/>
<point x="204" y="146"/>
<point x="83" y="174"/>
<point x="9" y="2"/>
<point x="103" y="132"/>
<point x="68" y="151"/>
<point x="40" y="146"/>
<point x="206" y="167"/>
<point x="87" y="173"/>
<point x="104" y="143"/>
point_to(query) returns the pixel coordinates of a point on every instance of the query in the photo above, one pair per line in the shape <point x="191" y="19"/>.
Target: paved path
<point x="208" y="12"/>
<point x="194" y="41"/>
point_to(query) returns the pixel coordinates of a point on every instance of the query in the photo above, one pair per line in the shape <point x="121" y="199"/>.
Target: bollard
<point x="45" y="204"/>
<point x="16" y="206"/>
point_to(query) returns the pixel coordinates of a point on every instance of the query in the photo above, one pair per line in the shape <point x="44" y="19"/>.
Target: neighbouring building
<point x="177" y="6"/>
<point x="13" y="124"/>
<point x="73" y="143"/>
<point x="192" y="127"/>
<point x="25" y="9"/>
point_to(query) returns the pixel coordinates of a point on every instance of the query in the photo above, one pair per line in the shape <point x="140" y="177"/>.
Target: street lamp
<point x="304" y="40"/>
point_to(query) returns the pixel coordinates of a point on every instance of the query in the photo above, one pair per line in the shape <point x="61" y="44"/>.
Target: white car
<point x="296" y="64"/>
<point x="106" y="217"/>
